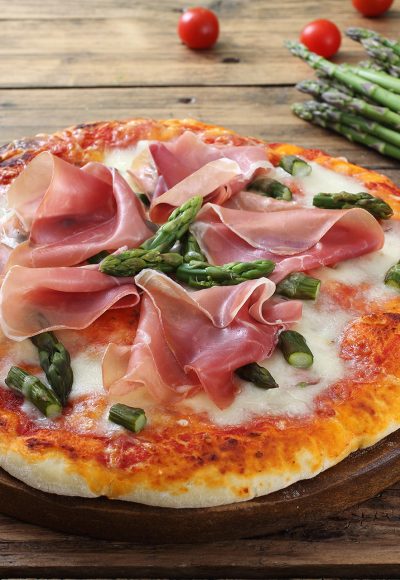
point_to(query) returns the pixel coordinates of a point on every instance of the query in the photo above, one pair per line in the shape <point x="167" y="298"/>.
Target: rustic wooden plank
<point x="258" y="111"/>
<point x="40" y="10"/>
<point x="361" y="542"/>
<point x="62" y="44"/>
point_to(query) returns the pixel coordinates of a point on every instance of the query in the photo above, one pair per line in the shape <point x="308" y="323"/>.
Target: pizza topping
<point x="188" y="342"/>
<point x="131" y="418"/>
<point x="188" y="166"/>
<point x="297" y="239"/>
<point x="190" y="249"/>
<point x="270" y="188"/>
<point x="258" y="375"/>
<point x="295" y="349"/>
<point x="34" y="300"/>
<point x="343" y="200"/>
<point x="203" y="275"/>
<point x="175" y="227"/>
<point x="56" y="363"/>
<point x="35" y="391"/>
<point x="300" y="286"/>
<point x="208" y="182"/>
<point x="295" y="166"/>
<point x="73" y="213"/>
<point x="131" y="262"/>
<point x="392" y="277"/>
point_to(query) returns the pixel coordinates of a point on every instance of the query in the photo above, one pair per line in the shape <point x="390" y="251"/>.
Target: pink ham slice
<point x="73" y="213"/>
<point x="191" y="341"/>
<point x="296" y="239"/>
<point x="39" y="299"/>
<point x="184" y="167"/>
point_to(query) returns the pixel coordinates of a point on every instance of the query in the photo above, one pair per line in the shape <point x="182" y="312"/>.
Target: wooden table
<point x="68" y="62"/>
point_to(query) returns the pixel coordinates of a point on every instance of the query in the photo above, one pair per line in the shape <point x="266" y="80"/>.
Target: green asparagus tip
<point x="56" y="363"/>
<point x="258" y="375"/>
<point x="344" y="200"/>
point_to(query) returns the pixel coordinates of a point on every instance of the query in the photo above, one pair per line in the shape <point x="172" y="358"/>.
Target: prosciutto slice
<point x="191" y="341"/>
<point x="188" y="167"/>
<point x="40" y="299"/>
<point x="73" y="213"/>
<point x="296" y="239"/>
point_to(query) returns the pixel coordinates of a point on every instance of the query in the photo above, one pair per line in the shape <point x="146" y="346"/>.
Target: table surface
<point x="68" y="62"/>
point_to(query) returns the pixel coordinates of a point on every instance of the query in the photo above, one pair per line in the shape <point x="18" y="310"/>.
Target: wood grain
<point x="85" y="44"/>
<point x="128" y="53"/>
<point x="362" y="542"/>
<point x="257" y="111"/>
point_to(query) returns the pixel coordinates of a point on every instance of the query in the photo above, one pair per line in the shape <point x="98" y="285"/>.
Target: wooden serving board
<point x="361" y="476"/>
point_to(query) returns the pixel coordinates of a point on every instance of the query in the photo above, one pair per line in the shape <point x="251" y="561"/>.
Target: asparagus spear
<point x="97" y="258"/>
<point x="295" y="166"/>
<point x="347" y="77"/>
<point x="203" y="275"/>
<point x="295" y="350"/>
<point x="323" y="90"/>
<point x="343" y="200"/>
<point x="298" y="285"/>
<point x="56" y="363"/>
<point x="191" y="249"/>
<point x="374" y="65"/>
<point x="337" y="84"/>
<point x="131" y="262"/>
<point x="35" y="391"/>
<point x="351" y="134"/>
<point x="381" y="78"/>
<point x="254" y="373"/>
<point x="359" y="34"/>
<point x="332" y="114"/>
<point x="384" y="56"/>
<point x="175" y="227"/>
<point x="144" y="199"/>
<point x="131" y="418"/>
<point x="270" y="188"/>
<point x="392" y="277"/>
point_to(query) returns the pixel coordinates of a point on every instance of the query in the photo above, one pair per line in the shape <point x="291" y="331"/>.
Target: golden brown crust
<point x="204" y="464"/>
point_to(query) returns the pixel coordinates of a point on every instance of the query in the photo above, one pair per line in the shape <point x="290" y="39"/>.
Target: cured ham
<point x="189" y="167"/>
<point x="73" y="213"/>
<point x="191" y="341"/>
<point x="296" y="239"/>
<point x="33" y="300"/>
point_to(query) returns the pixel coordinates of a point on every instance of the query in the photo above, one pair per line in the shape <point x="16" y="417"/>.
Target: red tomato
<point x="321" y="36"/>
<point x="198" y="28"/>
<point x="372" y="7"/>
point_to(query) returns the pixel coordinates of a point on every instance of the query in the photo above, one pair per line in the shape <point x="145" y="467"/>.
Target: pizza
<point x="171" y="347"/>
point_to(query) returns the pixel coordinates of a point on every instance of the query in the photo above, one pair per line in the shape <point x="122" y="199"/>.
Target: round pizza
<point x="190" y="317"/>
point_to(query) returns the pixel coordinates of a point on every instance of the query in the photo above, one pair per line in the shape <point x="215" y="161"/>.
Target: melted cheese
<point x="320" y="180"/>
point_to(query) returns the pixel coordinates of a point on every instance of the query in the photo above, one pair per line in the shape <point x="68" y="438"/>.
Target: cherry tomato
<point x="372" y="7"/>
<point x="198" y="28"/>
<point x="321" y="36"/>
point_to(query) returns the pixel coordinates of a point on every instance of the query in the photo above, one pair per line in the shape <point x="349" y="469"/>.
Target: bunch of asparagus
<point x="362" y="102"/>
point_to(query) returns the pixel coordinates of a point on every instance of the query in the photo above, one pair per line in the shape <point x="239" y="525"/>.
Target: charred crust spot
<point x="36" y="443"/>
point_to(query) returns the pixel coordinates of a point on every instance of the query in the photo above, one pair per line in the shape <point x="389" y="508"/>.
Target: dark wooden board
<point x="361" y="476"/>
